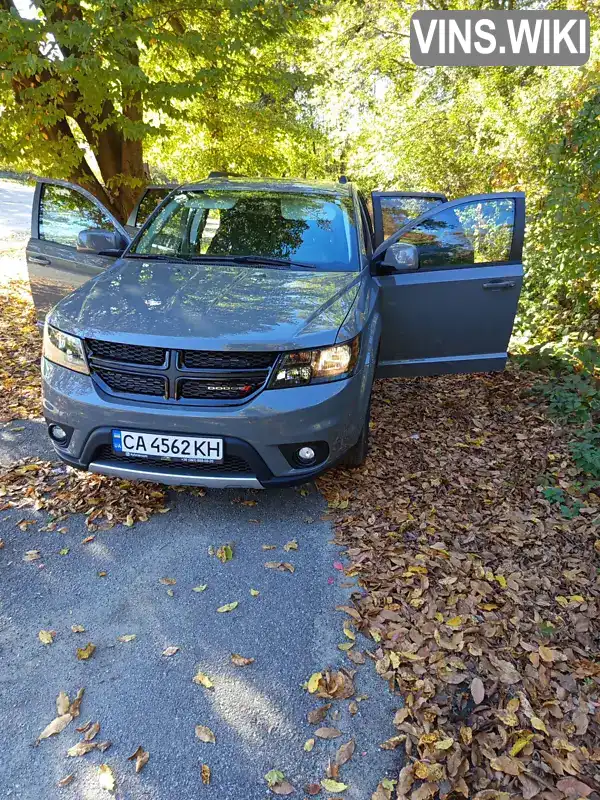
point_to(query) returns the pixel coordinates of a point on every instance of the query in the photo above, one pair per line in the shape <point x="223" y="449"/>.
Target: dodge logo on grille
<point x="228" y="388"/>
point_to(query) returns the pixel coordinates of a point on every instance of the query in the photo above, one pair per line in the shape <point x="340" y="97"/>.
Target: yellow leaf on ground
<point x="46" y="637"/>
<point x="56" y="726"/>
<point x="538" y="724"/>
<point x="228" y="607"/>
<point x="106" y="779"/>
<point x="170" y="651"/>
<point x="333" y="786"/>
<point x="203" y="680"/>
<point x="83" y="653"/>
<point x="313" y="682"/>
<point x="126" y="637"/>
<point x="205" y="773"/>
<point x="309" y="744"/>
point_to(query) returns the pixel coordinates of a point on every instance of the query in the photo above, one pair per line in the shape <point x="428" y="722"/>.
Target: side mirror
<point x="101" y="242"/>
<point x="402" y="257"/>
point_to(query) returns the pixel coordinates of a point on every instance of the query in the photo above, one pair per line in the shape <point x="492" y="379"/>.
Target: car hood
<point x="209" y="306"/>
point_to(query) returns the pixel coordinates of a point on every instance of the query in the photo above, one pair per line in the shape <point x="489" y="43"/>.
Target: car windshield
<point x="316" y="229"/>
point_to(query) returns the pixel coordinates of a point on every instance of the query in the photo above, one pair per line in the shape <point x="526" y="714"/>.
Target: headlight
<point x="316" y="366"/>
<point x="64" y="349"/>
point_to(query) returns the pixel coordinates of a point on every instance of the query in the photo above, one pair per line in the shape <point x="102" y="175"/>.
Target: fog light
<point x="57" y="433"/>
<point x="306" y="454"/>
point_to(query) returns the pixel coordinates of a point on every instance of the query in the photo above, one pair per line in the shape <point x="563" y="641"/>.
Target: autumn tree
<point x="86" y="87"/>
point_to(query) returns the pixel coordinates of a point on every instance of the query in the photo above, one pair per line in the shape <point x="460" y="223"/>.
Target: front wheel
<point x="357" y="454"/>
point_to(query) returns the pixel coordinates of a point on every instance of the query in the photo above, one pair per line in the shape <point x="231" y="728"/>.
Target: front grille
<point x="216" y="388"/>
<point x="178" y="376"/>
<point x="209" y="359"/>
<point x="230" y="463"/>
<point x="132" y="353"/>
<point x="133" y="383"/>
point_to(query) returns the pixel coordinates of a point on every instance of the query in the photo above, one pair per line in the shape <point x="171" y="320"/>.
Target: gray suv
<point x="232" y="340"/>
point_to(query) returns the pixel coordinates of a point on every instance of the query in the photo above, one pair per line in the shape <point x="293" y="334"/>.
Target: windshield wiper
<point x="159" y="257"/>
<point x="276" y="262"/>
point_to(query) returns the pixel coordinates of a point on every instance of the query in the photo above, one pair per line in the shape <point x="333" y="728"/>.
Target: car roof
<point x="274" y="184"/>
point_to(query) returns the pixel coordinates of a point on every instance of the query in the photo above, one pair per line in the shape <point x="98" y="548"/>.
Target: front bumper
<point x="253" y="433"/>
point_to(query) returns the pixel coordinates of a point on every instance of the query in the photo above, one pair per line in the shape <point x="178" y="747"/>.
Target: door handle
<point x="39" y="260"/>
<point x="499" y="285"/>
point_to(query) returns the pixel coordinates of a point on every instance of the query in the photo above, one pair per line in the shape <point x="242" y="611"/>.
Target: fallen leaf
<point x="254" y="592"/>
<point x="77" y="629"/>
<point x="76" y="703"/>
<point x="538" y="724"/>
<point x="46" y="637"/>
<point x="92" y="732"/>
<point x="506" y="764"/>
<point x="318" y="714"/>
<point x="62" y="703"/>
<point x="203" y="680"/>
<point x="201" y="588"/>
<point x="141" y="757"/>
<point x="333" y="786"/>
<point x="106" y="779"/>
<point x="65" y="781"/>
<point x="127" y="637"/>
<point x="170" y="651"/>
<point x="225" y="553"/>
<point x="282" y="566"/>
<point x="345" y="753"/>
<point x="274" y="776"/>
<point x="313" y="789"/>
<point x="283" y="788"/>
<point x="83" y="653"/>
<point x="167" y="581"/>
<point x="88" y="539"/>
<point x="103" y="746"/>
<point x="291" y="545"/>
<point x="64" y="551"/>
<point x="240" y="661"/>
<point x="56" y="726"/>
<point x="228" y="607"/>
<point x="205" y="774"/>
<point x="574" y="788"/>
<point x="477" y="690"/>
<point x="269" y="547"/>
<point x="327" y="733"/>
<point x="308" y="745"/>
<point x="81" y="748"/>
<point x="205" y="734"/>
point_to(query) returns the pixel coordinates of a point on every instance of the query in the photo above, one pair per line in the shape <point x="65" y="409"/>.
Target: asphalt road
<point x="258" y="712"/>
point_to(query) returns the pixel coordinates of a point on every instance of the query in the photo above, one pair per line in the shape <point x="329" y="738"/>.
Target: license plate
<point x="154" y="445"/>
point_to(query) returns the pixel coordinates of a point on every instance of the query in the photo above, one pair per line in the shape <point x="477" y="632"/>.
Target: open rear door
<point x="60" y="212"/>
<point x="449" y="303"/>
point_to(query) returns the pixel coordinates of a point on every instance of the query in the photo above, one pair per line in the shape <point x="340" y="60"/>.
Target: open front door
<point x="392" y="210"/>
<point x="60" y="212"/>
<point x="450" y="282"/>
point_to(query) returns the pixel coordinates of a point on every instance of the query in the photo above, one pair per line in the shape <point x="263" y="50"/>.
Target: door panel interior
<point x="60" y="211"/>
<point x="455" y="312"/>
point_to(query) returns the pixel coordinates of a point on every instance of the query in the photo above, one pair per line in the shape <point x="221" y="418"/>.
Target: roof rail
<point x="225" y="175"/>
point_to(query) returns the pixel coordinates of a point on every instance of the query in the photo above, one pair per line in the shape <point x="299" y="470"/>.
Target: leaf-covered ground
<point x="20" y="350"/>
<point x="480" y="596"/>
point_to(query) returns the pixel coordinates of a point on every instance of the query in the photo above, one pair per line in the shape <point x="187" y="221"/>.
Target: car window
<point x="148" y="203"/>
<point x="65" y="212"/>
<point x="470" y="233"/>
<point x="397" y="211"/>
<point x="316" y="228"/>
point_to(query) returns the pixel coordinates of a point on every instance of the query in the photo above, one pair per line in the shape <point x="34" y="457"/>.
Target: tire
<point x="355" y="457"/>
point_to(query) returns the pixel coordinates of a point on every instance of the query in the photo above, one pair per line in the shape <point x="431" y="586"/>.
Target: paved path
<point x="258" y="713"/>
